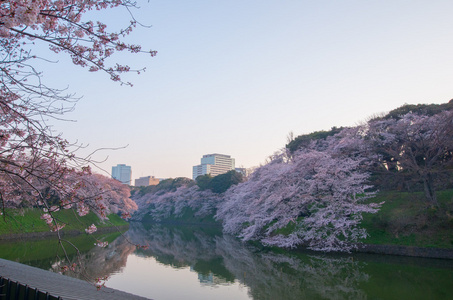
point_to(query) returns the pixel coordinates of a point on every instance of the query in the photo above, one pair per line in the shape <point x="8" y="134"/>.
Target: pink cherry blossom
<point x="101" y="244"/>
<point x="91" y="229"/>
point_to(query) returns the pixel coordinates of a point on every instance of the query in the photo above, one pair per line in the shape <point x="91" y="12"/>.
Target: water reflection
<point x="91" y="262"/>
<point x="99" y="262"/>
<point x="222" y="266"/>
<point x="181" y="247"/>
<point x="220" y="259"/>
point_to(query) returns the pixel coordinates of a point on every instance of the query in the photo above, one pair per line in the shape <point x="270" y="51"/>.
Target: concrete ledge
<point x="58" y="285"/>
<point x="406" y="251"/>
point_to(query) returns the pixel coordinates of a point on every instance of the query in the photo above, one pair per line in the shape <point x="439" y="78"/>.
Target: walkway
<point x="58" y="285"/>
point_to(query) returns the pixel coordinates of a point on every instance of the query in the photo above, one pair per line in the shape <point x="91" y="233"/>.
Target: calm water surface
<point x="202" y="263"/>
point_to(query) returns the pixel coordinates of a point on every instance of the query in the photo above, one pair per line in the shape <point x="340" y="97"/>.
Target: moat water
<point x="185" y="262"/>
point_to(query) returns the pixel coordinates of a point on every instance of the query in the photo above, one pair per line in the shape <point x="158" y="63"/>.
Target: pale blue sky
<point x="235" y="77"/>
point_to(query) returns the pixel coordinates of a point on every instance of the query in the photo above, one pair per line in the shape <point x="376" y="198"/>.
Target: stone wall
<point x="406" y="251"/>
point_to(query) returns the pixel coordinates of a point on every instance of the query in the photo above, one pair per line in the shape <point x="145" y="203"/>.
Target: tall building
<point x="122" y="173"/>
<point x="214" y="164"/>
<point x="146" y="181"/>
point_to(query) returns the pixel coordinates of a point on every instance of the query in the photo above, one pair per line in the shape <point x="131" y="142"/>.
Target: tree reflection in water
<point x="268" y="275"/>
<point x="98" y="262"/>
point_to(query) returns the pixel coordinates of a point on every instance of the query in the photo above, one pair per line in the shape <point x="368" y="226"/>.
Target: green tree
<point x="204" y="181"/>
<point x="220" y="183"/>
<point x="305" y="139"/>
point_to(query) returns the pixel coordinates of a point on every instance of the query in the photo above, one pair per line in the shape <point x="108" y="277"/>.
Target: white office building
<point x="122" y="173"/>
<point x="214" y="164"/>
<point x="146" y="181"/>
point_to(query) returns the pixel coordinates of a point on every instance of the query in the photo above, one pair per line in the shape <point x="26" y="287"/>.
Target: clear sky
<point x="235" y="77"/>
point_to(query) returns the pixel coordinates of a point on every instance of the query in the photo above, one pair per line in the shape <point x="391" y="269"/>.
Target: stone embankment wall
<point x="406" y="251"/>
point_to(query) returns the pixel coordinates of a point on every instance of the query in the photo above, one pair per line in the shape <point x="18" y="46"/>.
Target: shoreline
<point x="382" y="249"/>
<point x="46" y="234"/>
<point x="392" y="250"/>
<point x="409" y="251"/>
<point x="395" y="250"/>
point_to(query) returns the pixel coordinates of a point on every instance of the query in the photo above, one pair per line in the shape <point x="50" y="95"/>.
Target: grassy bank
<point x="20" y="221"/>
<point x="406" y="219"/>
<point x="43" y="249"/>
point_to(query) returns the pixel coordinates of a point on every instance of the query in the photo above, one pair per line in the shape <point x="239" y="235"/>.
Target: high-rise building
<point x="122" y="173"/>
<point x="214" y="164"/>
<point x="146" y="181"/>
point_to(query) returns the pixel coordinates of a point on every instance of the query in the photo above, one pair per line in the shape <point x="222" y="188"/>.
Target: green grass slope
<point x="406" y="219"/>
<point x="19" y="221"/>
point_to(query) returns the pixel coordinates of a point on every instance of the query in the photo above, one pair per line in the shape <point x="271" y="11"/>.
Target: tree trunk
<point x="430" y="191"/>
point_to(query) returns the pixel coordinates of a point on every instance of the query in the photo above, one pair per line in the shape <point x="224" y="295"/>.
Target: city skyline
<point x="236" y="77"/>
<point x="218" y="163"/>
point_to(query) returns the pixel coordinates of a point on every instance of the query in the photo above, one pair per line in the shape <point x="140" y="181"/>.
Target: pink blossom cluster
<point x="91" y="229"/>
<point x="47" y="218"/>
<point x="101" y="244"/>
<point x="82" y="209"/>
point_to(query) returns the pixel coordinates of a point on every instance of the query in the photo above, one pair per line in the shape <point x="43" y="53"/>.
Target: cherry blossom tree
<point x="415" y="148"/>
<point x="33" y="159"/>
<point x="38" y="167"/>
<point x="105" y="195"/>
<point x="317" y="195"/>
<point x="162" y="205"/>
